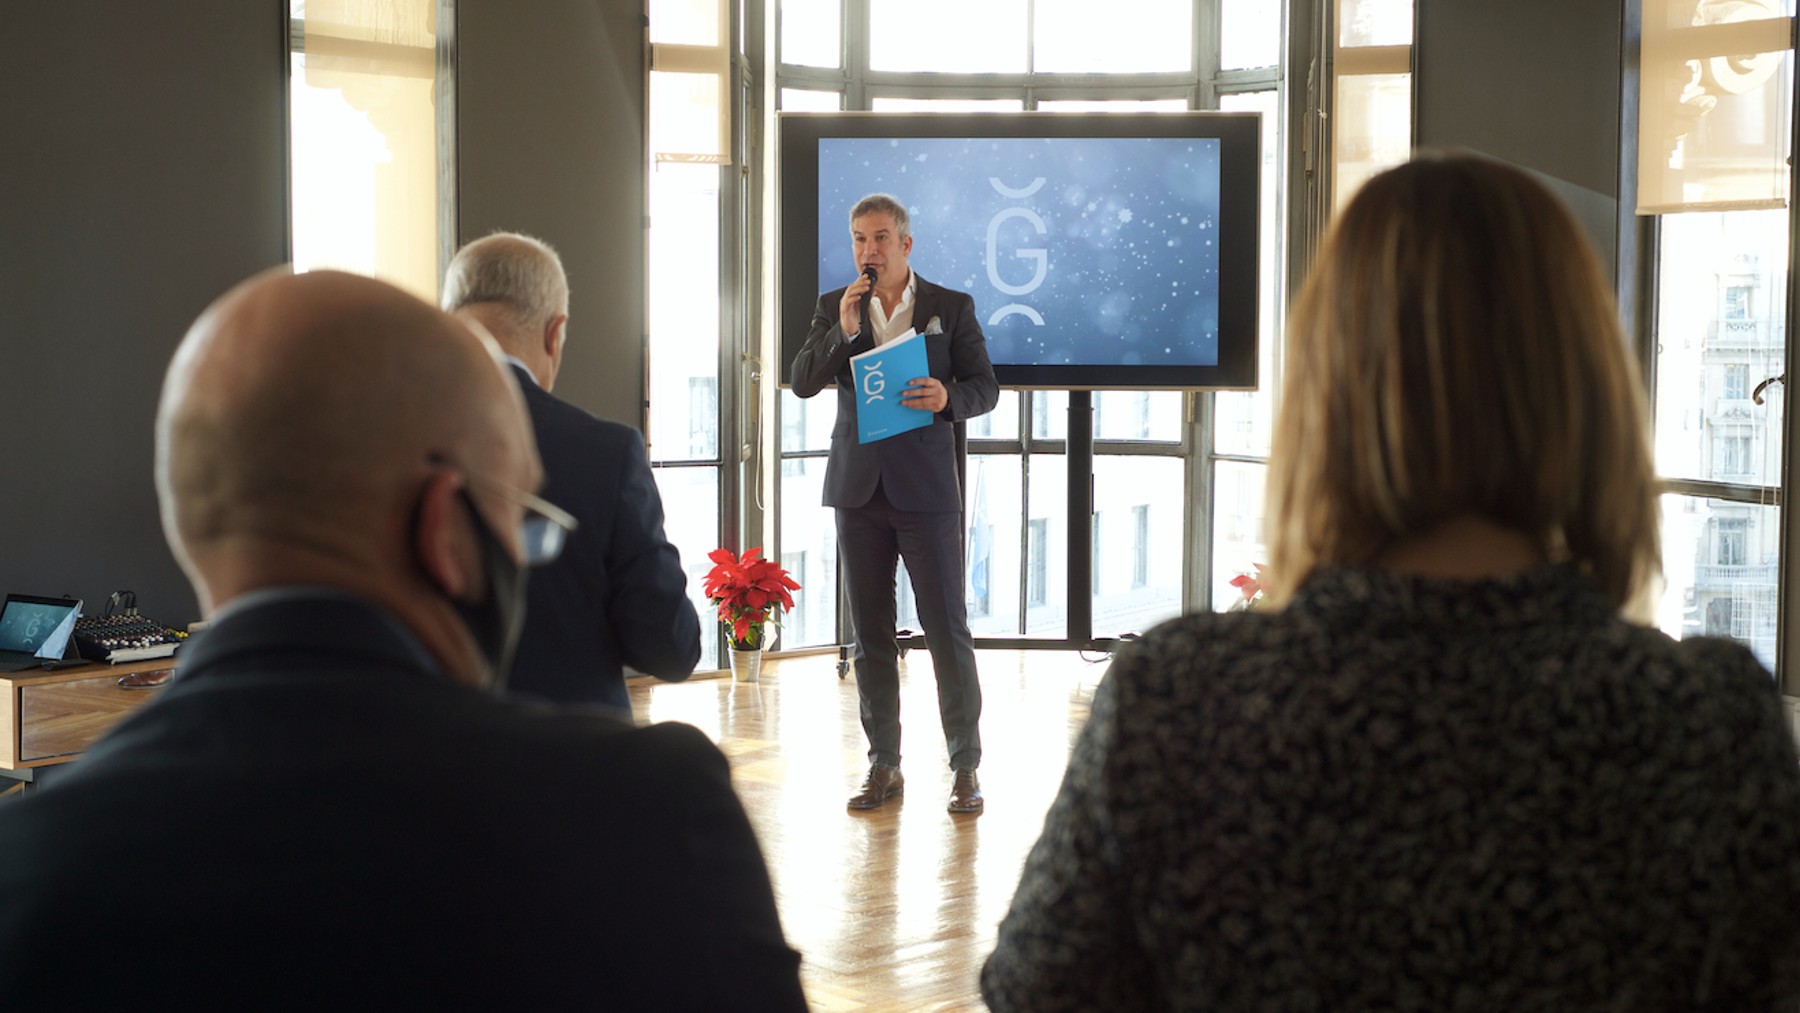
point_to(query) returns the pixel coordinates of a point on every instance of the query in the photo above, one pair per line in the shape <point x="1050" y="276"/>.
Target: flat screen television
<point x="1103" y="250"/>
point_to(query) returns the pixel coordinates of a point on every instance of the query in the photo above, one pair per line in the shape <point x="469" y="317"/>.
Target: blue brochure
<point x="880" y="375"/>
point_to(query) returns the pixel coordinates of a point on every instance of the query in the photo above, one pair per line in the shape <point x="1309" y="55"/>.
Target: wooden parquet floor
<point x="894" y="908"/>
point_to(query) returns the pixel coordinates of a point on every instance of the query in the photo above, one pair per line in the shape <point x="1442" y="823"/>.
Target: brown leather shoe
<point x="884" y="782"/>
<point x="965" y="794"/>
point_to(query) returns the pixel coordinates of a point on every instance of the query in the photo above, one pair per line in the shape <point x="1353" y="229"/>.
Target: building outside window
<point x="1037" y="580"/>
<point x="1140" y="545"/>
<point x="1096" y="533"/>
<point x="1717" y="447"/>
<point x="981" y="541"/>
<point x="703" y="416"/>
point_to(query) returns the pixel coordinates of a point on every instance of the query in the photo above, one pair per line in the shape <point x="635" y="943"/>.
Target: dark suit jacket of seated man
<point x="311" y="816"/>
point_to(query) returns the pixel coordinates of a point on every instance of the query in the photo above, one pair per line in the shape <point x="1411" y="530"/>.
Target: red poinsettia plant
<point x="750" y="592"/>
<point x="1251" y="587"/>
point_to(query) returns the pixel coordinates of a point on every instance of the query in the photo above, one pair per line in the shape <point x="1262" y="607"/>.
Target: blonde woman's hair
<point x="1456" y="351"/>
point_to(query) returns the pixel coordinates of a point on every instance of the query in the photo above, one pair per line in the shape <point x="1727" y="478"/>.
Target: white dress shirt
<point x="887" y="327"/>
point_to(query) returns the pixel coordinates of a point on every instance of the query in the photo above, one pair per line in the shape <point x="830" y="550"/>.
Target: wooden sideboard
<point x="51" y="717"/>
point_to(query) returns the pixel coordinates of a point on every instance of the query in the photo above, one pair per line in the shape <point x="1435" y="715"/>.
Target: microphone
<point x="869" y="273"/>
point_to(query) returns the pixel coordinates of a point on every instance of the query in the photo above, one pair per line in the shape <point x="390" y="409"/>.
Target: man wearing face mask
<point x="327" y="807"/>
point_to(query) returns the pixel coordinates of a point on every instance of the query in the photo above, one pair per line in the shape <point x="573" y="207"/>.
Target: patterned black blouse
<point x="1406" y="794"/>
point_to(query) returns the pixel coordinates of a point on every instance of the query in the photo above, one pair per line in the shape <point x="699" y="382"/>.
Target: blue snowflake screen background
<point x="1086" y="250"/>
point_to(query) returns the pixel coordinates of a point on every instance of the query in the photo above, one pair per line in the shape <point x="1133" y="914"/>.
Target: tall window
<point x="691" y="99"/>
<point x="1243" y="422"/>
<point x="1715" y="146"/>
<point x="1151" y="448"/>
<point x="364" y="112"/>
<point x="1719" y="447"/>
<point x="1372" y="105"/>
<point x="1367" y="101"/>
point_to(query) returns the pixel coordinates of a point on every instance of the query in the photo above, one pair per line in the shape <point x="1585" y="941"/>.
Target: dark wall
<point x="551" y="141"/>
<point x="144" y="172"/>
<point x="1536" y="83"/>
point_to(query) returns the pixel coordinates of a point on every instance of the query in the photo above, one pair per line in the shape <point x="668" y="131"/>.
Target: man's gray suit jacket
<point x="916" y="469"/>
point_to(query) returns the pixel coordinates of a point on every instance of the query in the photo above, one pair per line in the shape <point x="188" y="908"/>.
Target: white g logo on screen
<point x="1037" y="256"/>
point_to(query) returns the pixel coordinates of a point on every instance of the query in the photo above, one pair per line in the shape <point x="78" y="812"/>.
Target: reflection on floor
<point x="894" y="908"/>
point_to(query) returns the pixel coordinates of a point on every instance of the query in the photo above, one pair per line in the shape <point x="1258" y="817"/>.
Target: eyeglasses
<point x="546" y="526"/>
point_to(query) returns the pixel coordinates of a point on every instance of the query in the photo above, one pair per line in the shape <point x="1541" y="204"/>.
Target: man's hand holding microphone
<point x="924" y="393"/>
<point x="855" y="303"/>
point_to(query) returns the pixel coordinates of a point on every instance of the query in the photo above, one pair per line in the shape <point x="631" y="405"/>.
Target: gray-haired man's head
<point x="521" y="273"/>
<point x="876" y="203"/>
<point x="514" y="286"/>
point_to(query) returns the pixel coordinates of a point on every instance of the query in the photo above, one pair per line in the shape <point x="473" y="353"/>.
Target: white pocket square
<point x="934" y="326"/>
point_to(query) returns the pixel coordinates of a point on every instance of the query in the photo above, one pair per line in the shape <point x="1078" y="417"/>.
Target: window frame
<point x="1200" y="87"/>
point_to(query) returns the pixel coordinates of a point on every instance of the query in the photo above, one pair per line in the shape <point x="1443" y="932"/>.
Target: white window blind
<point x="690" y="82"/>
<point x="365" y="140"/>
<point x="1715" y="113"/>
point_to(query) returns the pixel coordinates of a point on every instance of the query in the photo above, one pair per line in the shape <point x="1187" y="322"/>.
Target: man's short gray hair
<point x="520" y="273"/>
<point x="877" y="203"/>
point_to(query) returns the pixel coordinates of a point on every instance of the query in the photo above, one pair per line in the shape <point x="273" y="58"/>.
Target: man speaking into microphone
<point x="899" y="498"/>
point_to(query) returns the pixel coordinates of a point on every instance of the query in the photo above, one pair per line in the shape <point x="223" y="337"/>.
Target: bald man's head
<point x="301" y="415"/>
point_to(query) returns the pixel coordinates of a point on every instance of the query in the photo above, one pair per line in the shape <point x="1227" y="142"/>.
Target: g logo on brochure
<point x="873" y="383"/>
